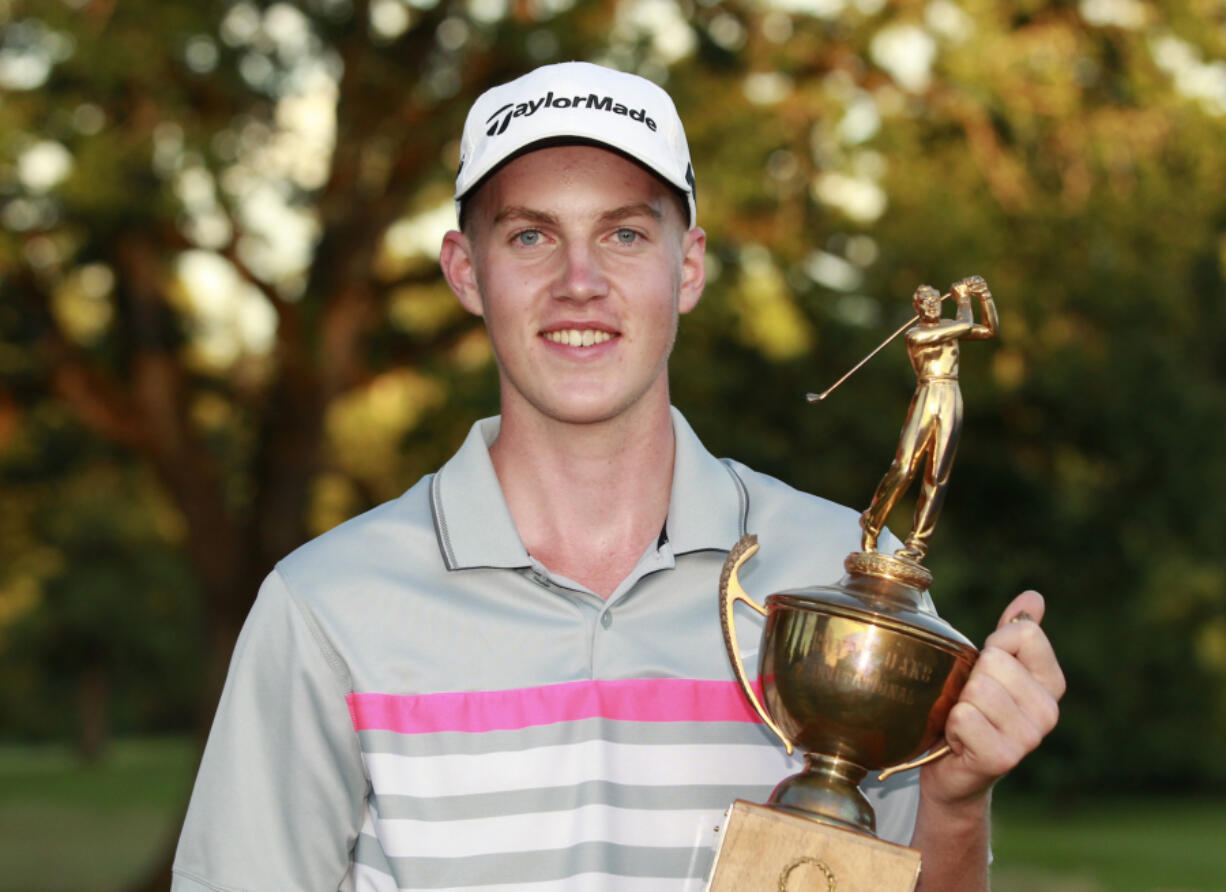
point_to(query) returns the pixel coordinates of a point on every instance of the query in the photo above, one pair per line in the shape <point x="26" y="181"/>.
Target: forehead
<point x="576" y="180"/>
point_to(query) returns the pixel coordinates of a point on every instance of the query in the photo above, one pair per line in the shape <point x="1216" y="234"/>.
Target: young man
<point x="513" y="676"/>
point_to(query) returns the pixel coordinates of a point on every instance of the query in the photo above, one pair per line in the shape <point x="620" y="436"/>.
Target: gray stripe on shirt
<point x="552" y="799"/>
<point x="369" y="852"/>
<point x="562" y="733"/>
<point x="545" y="865"/>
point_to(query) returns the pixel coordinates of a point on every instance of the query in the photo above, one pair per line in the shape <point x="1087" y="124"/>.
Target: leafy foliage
<point x="219" y="228"/>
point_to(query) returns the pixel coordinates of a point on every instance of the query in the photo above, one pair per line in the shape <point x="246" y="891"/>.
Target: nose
<point x="581" y="277"/>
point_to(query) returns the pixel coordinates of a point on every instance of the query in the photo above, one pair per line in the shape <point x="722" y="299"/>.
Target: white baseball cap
<point x="575" y="102"/>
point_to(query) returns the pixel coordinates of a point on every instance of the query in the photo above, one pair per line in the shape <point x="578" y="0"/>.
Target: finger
<point x="993" y="734"/>
<point x="1011" y="698"/>
<point x="978" y="743"/>
<point x="1028" y="643"/>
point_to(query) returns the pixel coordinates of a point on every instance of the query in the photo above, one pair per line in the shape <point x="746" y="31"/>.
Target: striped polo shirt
<point x="416" y="703"/>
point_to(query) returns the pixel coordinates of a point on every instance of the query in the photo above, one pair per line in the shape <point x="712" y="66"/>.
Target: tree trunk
<point x="93" y="696"/>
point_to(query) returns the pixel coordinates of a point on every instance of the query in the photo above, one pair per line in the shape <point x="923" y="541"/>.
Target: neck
<point x="587" y="499"/>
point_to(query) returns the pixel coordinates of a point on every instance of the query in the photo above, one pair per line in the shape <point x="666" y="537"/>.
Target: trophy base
<point x="764" y="849"/>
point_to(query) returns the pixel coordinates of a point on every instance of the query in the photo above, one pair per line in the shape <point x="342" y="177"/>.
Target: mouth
<point x="578" y="337"/>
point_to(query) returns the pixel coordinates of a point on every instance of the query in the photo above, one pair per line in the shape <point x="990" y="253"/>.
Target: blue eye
<point x="627" y="236"/>
<point x="528" y="237"/>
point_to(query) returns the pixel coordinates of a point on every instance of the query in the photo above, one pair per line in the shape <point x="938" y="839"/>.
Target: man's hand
<point x="971" y="285"/>
<point x="1006" y="708"/>
<point x="1009" y="704"/>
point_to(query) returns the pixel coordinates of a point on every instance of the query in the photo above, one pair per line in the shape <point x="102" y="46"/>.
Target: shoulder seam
<point x="326" y="650"/>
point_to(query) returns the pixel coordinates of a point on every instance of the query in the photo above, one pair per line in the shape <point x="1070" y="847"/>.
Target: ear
<point x="456" y="259"/>
<point x="693" y="269"/>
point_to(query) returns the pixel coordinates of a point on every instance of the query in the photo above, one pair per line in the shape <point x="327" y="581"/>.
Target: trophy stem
<point x="828" y="790"/>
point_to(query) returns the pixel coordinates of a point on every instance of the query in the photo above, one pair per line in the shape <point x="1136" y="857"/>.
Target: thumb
<point x="1028" y="605"/>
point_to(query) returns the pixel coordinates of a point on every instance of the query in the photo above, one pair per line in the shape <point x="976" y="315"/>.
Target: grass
<point x="65" y="826"/>
<point x="1110" y="845"/>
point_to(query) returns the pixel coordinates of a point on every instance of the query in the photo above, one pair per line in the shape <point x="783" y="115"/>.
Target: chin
<point x="586" y="415"/>
<point x="592" y="402"/>
<point x="589" y="411"/>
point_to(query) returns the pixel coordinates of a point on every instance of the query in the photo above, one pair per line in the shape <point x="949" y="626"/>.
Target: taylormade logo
<point x="501" y="119"/>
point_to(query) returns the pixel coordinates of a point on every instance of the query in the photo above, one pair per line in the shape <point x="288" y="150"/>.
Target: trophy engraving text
<point x="870" y="682"/>
<point x="907" y="666"/>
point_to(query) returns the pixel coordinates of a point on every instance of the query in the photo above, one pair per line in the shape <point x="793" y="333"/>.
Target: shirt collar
<point x="471" y="518"/>
<point x="707" y="506"/>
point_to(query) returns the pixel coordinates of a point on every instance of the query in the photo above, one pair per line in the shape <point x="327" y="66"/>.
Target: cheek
<point x="509" y="326"/>
<point x="497" y="321"/>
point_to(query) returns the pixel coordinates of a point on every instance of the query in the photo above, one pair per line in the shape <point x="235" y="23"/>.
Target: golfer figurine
<point x="934" y="418"/>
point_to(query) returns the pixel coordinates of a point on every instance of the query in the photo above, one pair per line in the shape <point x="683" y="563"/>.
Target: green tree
<point x="200" y="224"/>
<point x="219" y="225"/>
<point x="1069" y="154"/>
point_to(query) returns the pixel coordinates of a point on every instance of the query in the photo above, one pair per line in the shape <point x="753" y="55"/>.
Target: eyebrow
<point x="640" y="209"/>
<point x="520" y="212"/>
<point x="531" y="215"/>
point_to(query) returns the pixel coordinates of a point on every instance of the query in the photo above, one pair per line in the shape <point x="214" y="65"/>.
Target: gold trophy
<point x="860" y="674"/>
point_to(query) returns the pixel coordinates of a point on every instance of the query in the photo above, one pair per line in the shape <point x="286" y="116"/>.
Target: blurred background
<point x="223" y="331"/>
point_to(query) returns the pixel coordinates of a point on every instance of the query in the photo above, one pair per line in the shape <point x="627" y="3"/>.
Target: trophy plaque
<point x="860" y="674"/>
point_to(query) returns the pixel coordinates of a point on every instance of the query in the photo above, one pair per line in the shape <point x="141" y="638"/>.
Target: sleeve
<point x="281" y="792"/>
<point x="896" y="804"/>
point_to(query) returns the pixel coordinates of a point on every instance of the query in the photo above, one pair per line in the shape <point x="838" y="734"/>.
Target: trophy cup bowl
<point x="859" y="675"/>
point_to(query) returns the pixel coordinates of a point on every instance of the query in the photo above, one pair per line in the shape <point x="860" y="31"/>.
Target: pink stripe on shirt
<point x="633" y="699"/>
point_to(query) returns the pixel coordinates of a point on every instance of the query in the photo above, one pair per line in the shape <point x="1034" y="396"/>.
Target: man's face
<point x="580" y="262"/>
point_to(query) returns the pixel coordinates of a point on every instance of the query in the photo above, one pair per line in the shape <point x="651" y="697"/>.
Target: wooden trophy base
<point x="764" y="849"/>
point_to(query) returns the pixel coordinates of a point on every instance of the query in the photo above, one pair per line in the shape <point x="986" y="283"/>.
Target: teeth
<point x="574" y="337"/>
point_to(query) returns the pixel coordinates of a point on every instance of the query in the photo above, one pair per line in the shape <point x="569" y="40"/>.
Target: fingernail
<point x="1023" y="615"/>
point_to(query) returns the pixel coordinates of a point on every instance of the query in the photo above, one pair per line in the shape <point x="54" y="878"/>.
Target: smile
<point x="574" y="337"/>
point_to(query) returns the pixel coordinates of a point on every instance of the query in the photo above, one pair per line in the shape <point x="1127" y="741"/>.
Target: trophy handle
<point x="939" y="752"/>
<point x="730" y="591"/>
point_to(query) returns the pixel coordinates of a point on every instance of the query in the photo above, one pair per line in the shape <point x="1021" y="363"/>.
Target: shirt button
<point x="606" y="619"/>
